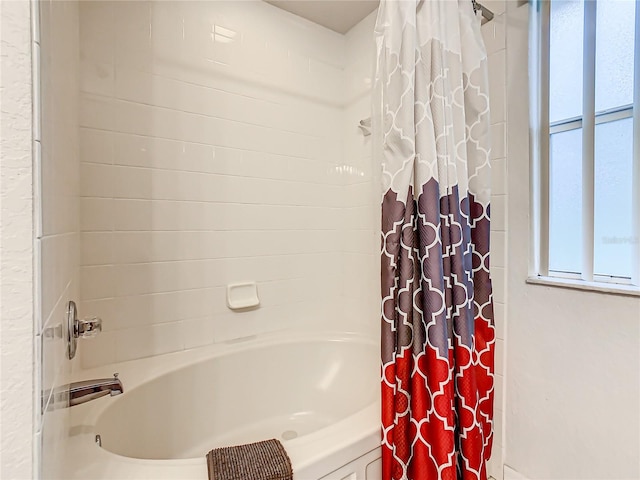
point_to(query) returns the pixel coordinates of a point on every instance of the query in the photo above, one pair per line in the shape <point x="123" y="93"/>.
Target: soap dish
<point x="242" y="295"/>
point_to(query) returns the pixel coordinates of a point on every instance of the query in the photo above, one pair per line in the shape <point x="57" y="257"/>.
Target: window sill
<point x="610" y="288"/>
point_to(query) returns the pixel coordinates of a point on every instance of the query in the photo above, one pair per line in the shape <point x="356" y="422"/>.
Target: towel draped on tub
<point x="266" y="460"/>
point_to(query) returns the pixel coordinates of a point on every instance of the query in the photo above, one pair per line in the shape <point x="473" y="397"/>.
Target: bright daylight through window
<point x="588" y="198"/>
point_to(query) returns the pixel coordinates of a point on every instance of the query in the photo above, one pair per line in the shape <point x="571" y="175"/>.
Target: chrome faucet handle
<point x="89" y="327"/>
<point x="77" y="328"/>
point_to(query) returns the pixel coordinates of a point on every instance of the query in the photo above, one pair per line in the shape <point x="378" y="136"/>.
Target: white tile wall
<point x="494" y="37"/>
<point x="214" y="142"/>
<point x="361" y="242"/>
<point x="56" y="152"/>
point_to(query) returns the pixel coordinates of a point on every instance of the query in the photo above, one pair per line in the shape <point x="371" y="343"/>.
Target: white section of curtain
<point x="431" y="89"/>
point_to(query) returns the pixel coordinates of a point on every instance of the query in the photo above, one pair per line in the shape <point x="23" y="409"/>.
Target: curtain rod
<point x="486" y="13"/>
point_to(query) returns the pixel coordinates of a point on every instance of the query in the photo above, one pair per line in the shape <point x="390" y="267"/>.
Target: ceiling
<point x="337" y="15"/>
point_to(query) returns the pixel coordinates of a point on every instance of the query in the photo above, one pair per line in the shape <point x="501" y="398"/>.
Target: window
<point x="588" y="149"/>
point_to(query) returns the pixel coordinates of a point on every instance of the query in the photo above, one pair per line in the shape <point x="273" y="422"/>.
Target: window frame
<point x="541" y="131"/>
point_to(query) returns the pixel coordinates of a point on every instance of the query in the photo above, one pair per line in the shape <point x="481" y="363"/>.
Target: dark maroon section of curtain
<point x="437" y="336"/>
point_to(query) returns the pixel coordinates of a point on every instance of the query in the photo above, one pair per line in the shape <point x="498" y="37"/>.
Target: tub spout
<point x="82" y="392"/>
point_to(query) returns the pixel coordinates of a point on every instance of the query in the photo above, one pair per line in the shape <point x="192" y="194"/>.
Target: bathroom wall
<point x="361" y="212"/>
<point x="212" y="152"/>
<point x="493" y="33"/>
<point x="17" y="329"/>
<point x="57" y="176"/>
<point x="573" y="387"/>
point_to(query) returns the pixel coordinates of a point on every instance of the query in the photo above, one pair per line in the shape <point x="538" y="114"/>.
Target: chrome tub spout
<point x="82" y="392"/>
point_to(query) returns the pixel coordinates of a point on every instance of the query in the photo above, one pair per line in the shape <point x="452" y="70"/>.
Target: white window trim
<point x="610" y="288"/>
<point x="539" y="273"/>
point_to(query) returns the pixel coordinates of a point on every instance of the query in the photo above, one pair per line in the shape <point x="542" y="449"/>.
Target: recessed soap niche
<point x="242" y="296"/>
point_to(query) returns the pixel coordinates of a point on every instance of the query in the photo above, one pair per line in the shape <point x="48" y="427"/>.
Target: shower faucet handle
<point x="89" y="327"/>
<point x="79" y="328"/>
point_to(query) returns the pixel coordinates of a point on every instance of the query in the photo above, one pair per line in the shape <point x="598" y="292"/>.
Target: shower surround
<point x="218" y="144"/>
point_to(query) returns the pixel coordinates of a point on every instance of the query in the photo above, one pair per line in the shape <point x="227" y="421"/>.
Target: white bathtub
<point x="318" y="394"/>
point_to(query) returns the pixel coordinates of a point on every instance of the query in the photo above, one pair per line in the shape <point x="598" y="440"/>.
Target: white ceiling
<point x="337" y="15"/>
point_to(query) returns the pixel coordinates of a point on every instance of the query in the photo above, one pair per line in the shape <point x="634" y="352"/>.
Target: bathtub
<point x="317" y="393"/>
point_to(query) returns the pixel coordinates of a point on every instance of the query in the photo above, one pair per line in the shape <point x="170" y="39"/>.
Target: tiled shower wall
<point x="361" y="260"/>
<point x="213" y="151"/>
<point x="493" y="33"/>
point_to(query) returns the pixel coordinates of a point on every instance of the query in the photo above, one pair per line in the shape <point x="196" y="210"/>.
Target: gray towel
<point x="266" y="460"/>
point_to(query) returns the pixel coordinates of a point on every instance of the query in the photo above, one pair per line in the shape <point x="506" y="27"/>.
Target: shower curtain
<point x="437" y="314"/>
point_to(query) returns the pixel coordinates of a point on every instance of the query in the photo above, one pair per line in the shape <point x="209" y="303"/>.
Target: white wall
<point x="212" y="152"/>
<point x="573" y="357"/>
<point x="361" y="208"/>
<point x="493" y="33"/>
<point x="17" y="356"/>
<point x="57" y="170"/>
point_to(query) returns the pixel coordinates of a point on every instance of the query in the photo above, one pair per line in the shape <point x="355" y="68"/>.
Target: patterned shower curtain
<point x="437" y="314"/>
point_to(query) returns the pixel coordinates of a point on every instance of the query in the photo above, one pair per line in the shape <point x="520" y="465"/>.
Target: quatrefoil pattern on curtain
<point x="438" y="334"/>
